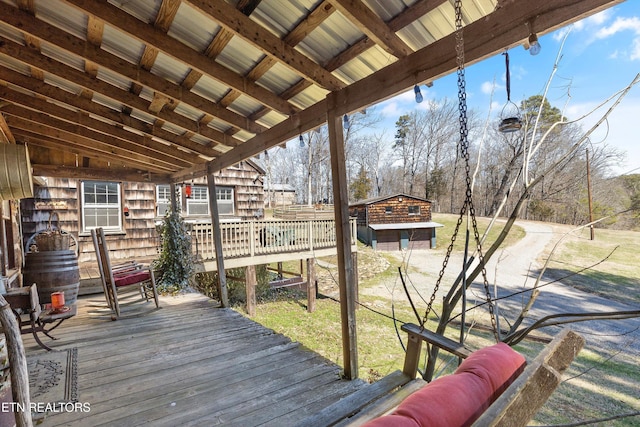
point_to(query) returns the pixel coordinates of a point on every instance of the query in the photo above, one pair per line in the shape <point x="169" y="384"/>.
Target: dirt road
<point x="515" y="269"/>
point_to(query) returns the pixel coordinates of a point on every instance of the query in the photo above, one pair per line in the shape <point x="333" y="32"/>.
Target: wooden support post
<point x="17" y="364"/>
<point x="172" y="197"/>
<point x="356" y="281"/>
<point x="412" y="356"/>
<point x="217" y="241"/>
<point x="250" y="283"/>
<point x="346" y="276"/>
<point x="311" y="285"/>
<point x="280" y="272"/>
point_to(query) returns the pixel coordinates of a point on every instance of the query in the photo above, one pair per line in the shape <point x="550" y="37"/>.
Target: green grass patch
<point x="607" y="266"/>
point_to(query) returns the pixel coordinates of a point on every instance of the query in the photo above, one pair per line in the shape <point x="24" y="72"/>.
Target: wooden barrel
<point x="16" y="181"/>
<point x="53" y="271"/>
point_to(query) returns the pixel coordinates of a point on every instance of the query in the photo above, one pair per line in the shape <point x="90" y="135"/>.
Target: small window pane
<point x="388" y="209"/>
<point x="414" y="210"/>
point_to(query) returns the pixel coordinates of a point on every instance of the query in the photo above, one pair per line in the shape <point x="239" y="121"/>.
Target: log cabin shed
<point x="395" y="222"/>
<point x="167" y="91"/>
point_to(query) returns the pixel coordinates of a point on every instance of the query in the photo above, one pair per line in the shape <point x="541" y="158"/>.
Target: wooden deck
<point x="190" y="363"/>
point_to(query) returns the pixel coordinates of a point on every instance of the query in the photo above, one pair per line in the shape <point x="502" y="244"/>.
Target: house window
<point x="388" y="210"/>
<point x="224" y="196"/>
<point x="198" y="203"/>
<point x="163" y="198"/>
<point x="101" y="205"/>
<point x="414" y="210"/>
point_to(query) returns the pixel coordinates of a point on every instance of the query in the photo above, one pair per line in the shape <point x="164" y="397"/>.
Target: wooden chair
<point x="115" y="277"/>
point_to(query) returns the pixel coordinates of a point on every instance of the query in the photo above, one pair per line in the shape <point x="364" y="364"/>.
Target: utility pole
<point x="591" y="228"/>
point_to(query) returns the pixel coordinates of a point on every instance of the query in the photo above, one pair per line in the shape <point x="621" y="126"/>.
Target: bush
<point x="175" y="263"/>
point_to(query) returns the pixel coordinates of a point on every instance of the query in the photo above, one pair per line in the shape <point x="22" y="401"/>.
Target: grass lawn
<point x="600" y="383"/>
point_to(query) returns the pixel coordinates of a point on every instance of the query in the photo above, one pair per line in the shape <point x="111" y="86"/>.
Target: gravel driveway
<point x="516" y="269"/>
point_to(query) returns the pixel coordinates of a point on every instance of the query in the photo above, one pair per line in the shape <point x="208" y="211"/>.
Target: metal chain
<point x="468" y="203"/>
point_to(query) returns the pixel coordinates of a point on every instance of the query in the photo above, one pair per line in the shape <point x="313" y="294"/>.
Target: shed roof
<point x="168" y="90"/>
<point x="405" y="225"/>
<point x="383" y="198"/>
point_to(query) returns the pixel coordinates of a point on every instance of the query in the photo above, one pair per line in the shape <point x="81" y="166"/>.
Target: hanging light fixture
<point x="266" y="155"/>
<point x="534" y="44"/>
<point x="419" y="97"/>
<point x="511" y="121"/>
<point x="187" y="191"/>
<point x="301" y="141"/>
<point x="345" y="122"/>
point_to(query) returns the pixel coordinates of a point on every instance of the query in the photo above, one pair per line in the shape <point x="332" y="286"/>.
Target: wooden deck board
<point x="189" y="363"/>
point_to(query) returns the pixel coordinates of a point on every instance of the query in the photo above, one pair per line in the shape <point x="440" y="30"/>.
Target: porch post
<point x="250" y="286"/>
<point x="172" y="197"/>
<point x="311" y="285"/>
<point x="346" y="273"/>
<point x="217" y="241"/>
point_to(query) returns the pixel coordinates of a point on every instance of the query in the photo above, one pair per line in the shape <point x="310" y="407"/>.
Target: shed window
<point x="414" y="210"/>
<point x="101" y="205"/>
<point x="388" y="210"/>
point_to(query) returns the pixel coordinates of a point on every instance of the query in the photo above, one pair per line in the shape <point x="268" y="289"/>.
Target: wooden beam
<point x="374" y="27"/>
<point x="5" y="133"/>
<point x="311" y="285"/>
<point x="115" y="174"/>
<point x="150" y="35"/>
<point x="79" y="78"/>
<point x="88" y="144"/>
<point x="45" y="31"/>
<point x="87" y="105"/>
<point x="217" y="242"/>
<point x="346" y="276"/>
<point x="250" y="286"/>
<point x="272" y="46"/>
<point x="137" y="143"/>
<point x="502" y="29"/>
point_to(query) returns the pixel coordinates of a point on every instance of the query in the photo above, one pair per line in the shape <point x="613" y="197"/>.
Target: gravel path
<point x="516" y="269"/>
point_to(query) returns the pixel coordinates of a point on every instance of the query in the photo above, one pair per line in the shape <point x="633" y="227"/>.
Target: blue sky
<point x="601" y="56"/>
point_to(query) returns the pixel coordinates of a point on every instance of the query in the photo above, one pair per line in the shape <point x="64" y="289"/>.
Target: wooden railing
<point x="253" y="238"/>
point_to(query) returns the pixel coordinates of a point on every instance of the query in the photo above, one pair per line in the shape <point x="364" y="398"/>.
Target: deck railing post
<point x="311" y="223"/>
<point x="252" y="238"/>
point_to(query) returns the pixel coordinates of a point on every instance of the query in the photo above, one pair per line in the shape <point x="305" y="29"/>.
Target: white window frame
<point x="225" y="198"/>
<point x="99" y="205"/>
<point x="414" y="213"/>
<point x="165" y="198"/>
<point x="199" y="197"/>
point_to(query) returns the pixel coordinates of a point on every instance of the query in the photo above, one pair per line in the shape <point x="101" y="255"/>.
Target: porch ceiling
<point x="167" y="90"/>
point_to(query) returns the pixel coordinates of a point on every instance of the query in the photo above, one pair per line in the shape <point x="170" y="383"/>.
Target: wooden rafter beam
<point x="120" y="137"/>
<point x="374" y="27"/>
<point x="272" y="46"/>
<point x="111" y="174"/>
<point x="6" y="136"/>
<point x="88" y="106"/>
<point x="150" y="35"/>
<point x="504" y="28"/>
<point x="64" y="142"/>
<point x="44" y="31"/>
<point x="130" y="100"/>
<point x="41" y="124"/>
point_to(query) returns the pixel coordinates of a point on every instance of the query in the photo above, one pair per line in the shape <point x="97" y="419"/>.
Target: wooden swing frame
<point x="520" y="401"/>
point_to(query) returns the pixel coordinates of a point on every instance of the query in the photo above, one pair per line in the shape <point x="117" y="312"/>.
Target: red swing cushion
<point x="130" y="278"/>
<point x="460" y="398"/>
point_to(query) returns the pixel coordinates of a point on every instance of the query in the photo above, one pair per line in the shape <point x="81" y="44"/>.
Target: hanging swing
<point x="510" y="115"/>
<point x="491" y="386"/>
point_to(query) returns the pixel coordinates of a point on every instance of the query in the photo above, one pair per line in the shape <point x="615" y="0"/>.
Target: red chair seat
<point x="131" y="278"/>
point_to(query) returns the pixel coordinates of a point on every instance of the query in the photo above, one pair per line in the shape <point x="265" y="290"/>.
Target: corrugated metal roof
<point x="302" y="76"/>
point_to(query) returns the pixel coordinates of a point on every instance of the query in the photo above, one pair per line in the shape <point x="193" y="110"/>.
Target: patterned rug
<point x="53" y="376"/>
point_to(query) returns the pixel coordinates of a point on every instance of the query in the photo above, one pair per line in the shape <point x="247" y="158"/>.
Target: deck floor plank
<point x="188" y="363"/>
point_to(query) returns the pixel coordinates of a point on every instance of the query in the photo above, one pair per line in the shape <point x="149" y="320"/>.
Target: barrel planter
<point x="53" y="271"/>
<point x="16" y="181"/>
